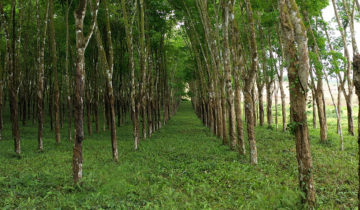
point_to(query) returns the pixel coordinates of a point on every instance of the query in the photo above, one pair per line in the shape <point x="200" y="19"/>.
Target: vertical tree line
<point x="87" y="77"/>
<point x="240" y="53"/>
<point x="122" y="61"/>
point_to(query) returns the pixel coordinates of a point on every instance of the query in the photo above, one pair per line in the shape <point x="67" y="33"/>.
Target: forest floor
<point x="182" y="166"/>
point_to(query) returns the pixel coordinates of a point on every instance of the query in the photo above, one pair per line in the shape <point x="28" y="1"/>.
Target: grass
<point x="182" y="167"/>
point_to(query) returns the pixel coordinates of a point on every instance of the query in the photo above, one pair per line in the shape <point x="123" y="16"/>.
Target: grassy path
<point x="182" y="167"/>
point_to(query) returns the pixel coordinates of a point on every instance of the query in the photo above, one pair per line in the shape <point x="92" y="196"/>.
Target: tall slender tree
<point x="356" y="66"/>
<point x="108" y="65"/>
<point x="67" y="72"/>
<point x="41" y="41"/>
<point x="82" y="42"/>
<point x="250" y="85"/>
<point x="228" y="75"/>
<point x="348" y="94"/>
<point x="54" y="68"/>
<point x="296" y="47"/>
<point x="129" y="39"/>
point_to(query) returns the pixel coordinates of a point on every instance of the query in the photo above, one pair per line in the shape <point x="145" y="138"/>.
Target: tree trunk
<point x="249" y="86"/>
<point x="228" y="76"/>
<point x="338" y="122"/>
<point x="261" y="105"/>
<point x="356" y="66"/>
<point x="295" y="44"/>
<point x="104" y="112"/>
<point x="54" y="67"/>
<point x="276" y="108"/>
<point x="81" y="44"/>
<point x="134" y="109"/>
<point x="270" y="83"/>
<point x="41" y="41"/>
<point x="253" y="94"/>
<point x="223" y="113"/>
<point x="349" y="114"/>
<point x="149" y="93"/>
<point x="144" y="65"/>
<point x="269" y="97"/>
<point x="314" y="109"/>
<point x="238" y="69"/>
<point x="1" y="102"/>
<point x="348" y="96"/>
<point x="108" y="66"/>
<point x="88" y="111"/>
<point x="67" y="76"/>
<point x="318" y="89"/>
<point x="13" y="80"/>
<point x="321" y="111"/>
<point x="219" y="116"/>
<point x="281" y="84"/>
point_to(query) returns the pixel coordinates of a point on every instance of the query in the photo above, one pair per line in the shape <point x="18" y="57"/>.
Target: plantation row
<point x="78" y="61"/>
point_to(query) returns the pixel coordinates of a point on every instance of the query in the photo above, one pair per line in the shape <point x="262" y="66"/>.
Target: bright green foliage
<point x="182" y="166"/>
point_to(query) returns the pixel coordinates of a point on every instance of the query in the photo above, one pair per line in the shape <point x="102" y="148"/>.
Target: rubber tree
<point x="228" y="75"/>
<point x="133" y="96"/>
<point x="356" y="66"/>
<point x="108" y="67"/>
<point x="249" y="85"/>
<point x="318" y="87"/>
<point x="41" y="41"/>
<point x="82" y="42"/>
<point x="13" y="37"/>
<point x="54" y="68"/>
<point x="349" y="92"/>
<point x="238" y="69"/>
<point x="297" y="56"/>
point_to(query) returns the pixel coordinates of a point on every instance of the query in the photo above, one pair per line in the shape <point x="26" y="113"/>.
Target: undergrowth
<point x="182" y="166"/>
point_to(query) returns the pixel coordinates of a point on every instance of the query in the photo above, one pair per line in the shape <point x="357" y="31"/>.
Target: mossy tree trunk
<point x="356" y="65"/>
<point x="249" y="86"/>
<point x="296" y="48"/>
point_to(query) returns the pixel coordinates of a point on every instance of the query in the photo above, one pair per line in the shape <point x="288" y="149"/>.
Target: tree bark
<point x="13" y="78"/>
<point x="238" y="69"/>
<point x="249" y="86"/>
<point x="356" y="66"/>
<point x="54" y="67"/>
<point x="295" y="45"/>
<point x="281" y="84"/>
<point x="260" y="80"/>
<point x="81" y="44"/>
<point x="348" y="95"/>
<point x="41" y="41"/>
<point x="144" y="63"/>
<point x="228" y="76"/>
<point x="67" y="76"/>
<point x="134" y="109"/>
<point x="108" y="66"/>
<point x="276" y="108"/>
<point x="88" y="109"/>
<point x="261" y="104"/>
<point x="314" y="107"/>
<point x="269" y="78"/>
<point x="318" y="89"/>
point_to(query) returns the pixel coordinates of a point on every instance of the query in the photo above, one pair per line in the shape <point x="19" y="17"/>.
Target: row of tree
<point x="136" y="56"/>
<point x="98" y="71"/>
<point x="243" y="47"/>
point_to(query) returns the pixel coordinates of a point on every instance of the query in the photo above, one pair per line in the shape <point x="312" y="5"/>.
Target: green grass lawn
<point x="182" y="167"/>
